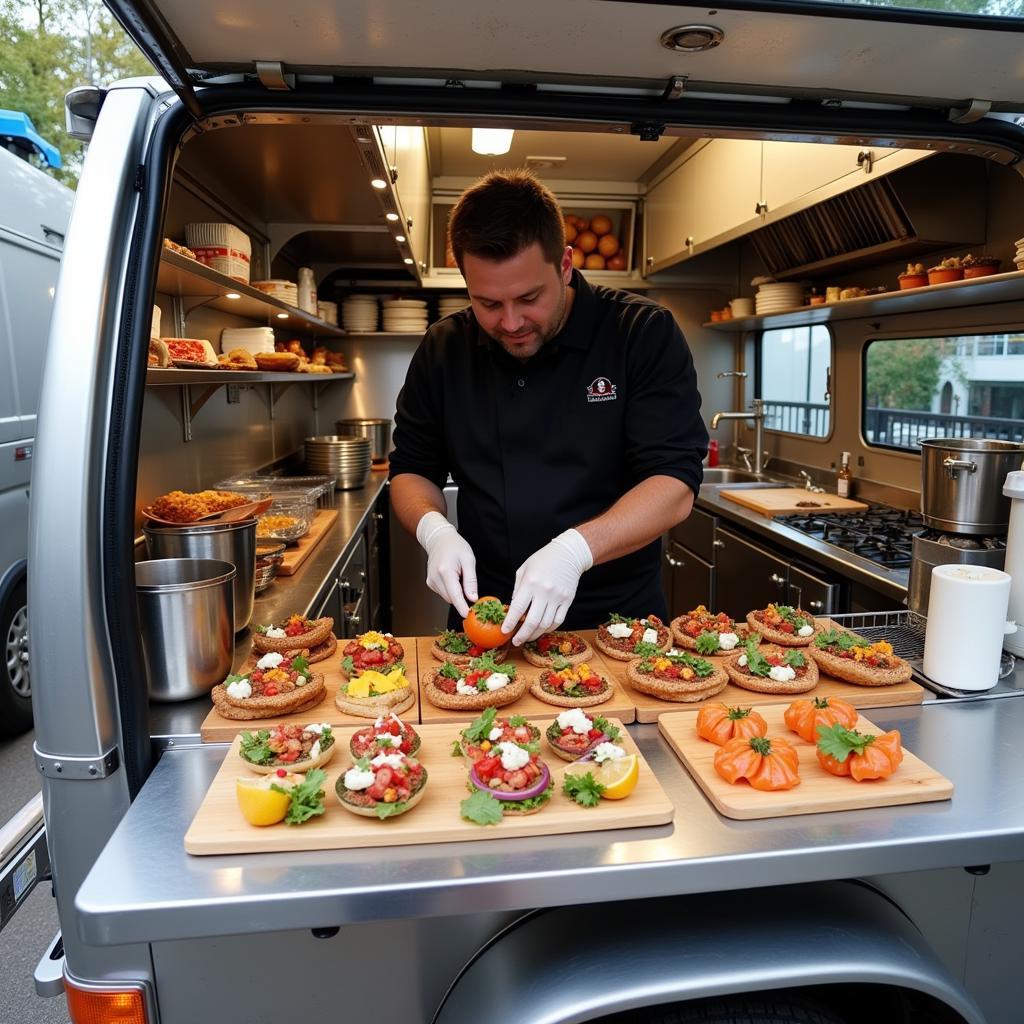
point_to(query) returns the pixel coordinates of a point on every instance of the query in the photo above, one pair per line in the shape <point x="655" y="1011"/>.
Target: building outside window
<point x="793" y="379"/>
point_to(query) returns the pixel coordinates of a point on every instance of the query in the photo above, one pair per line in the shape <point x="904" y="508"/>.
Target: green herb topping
<point x="584" y="790"/>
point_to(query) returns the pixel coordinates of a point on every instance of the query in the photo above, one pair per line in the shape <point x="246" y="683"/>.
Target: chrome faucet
<point x="757" y="416"/>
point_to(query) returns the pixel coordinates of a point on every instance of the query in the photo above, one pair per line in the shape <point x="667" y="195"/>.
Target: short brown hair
<point x="504" y="213"/>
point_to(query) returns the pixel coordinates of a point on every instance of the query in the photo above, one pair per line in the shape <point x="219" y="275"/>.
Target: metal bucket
<point x="228" y="542"/>
<point x="186" y="608"/>
<point x="378" y="431"/>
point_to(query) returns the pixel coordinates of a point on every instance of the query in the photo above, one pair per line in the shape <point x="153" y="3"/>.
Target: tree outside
<point x="49" y="47"/>
<point x="904" y="373"/>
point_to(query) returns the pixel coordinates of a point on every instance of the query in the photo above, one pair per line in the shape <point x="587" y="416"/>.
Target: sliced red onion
<point x="522" y="794"/>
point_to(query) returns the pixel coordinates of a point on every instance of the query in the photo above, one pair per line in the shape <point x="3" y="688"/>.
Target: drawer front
<point x="696" y="533"/>
<point x="746" y="576"/>
<point x="688" y="580"/>
<point x="814" y="593"/>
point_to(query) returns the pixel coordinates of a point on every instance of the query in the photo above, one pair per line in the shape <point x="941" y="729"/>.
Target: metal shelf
<point x="975" y="292"/>
<point x="183" y="278"/>
<point x="157" y="376"/>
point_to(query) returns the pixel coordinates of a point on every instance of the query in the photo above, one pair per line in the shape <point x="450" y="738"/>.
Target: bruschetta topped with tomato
<point x="706" y="633"/>
<point x="855" y="660"/>
<point x="383" y="786"/>
<point x="557" y="646"/>
<point x="625" y="639"/>
<point x="279" y="684"/>
<point x="375" y="651"/>
<point x="676" y="676"/>
<point x="772" y="669"/>
<point x="297" y="748"/>
<point x="388" y="734"/>
<point x="485" y="732"/>
<point x="295" y="633"/>
<point x="571" y="686"/>
<point x="482" y="683"/>
<point x="783" y="624"/>
<point x="574" y="733"/>
<point x="457" y="648"/>
<point x="510" y="780"/>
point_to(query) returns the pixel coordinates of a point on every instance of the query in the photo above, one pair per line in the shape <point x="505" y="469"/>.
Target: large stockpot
<point x="186" y="611"/>
<point x="377" y="430"/>
<point x="228" y="542"/>
<point x="932" y="548"/>
<point x="962" y="483"/>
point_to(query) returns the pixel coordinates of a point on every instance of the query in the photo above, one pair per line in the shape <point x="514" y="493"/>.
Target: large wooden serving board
<point x="295" y="554"/>
<point x="222" y="730"/>
<point x="620" y="705"/>
<point x="776" y="501"/>
<point x="219" y="827"/>
<point x="913" y="782"/>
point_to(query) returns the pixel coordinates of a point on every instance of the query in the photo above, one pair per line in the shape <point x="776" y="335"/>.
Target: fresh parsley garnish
<point x="454" y="643"/>
<point x="254" y="747"/>
<point x="481" y="808"/>
<point x="348" y="665"/>
<point x="517" y="720"/>
<point x="839" y="638"/>
<point x="486" y="663"/>
<point x="492" y="611"/>
<point x="615" y="617"/>
<point x="757" y="663"/>
<point x="307" y="798"/>
<point x="583" y="789"/>
<point x="611" y="731"/>
<point x="480" y="728"/>
<point x="456" y="748"/>
<point x="450" y="671"/>
<point x="795" y="659"/>
<point x="839" y="742"/>
<point x="707" y="643"/>
<point x="646" y="649"/>
<point x="300" y="665"/>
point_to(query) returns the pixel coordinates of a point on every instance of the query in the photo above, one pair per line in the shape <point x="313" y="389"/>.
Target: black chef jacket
<point x="540" y="446"/>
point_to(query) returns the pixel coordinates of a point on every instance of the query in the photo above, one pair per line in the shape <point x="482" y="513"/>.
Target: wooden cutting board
<point x="222" y="730"/>
<point x="219" y="827"/>
<point x="913" y="782"/>
<point x="295" y="554"/>
<point x="776" y="501"/>
<point x="620" y="705"/>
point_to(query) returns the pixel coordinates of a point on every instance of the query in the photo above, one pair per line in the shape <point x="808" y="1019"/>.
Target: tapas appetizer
<point x="190" y="507"/>
<point x="806" y="717"/>
<point x="294" y="634"/>
<point x="373" y="694"/>
<point x="607" y="773"/>
<point x="379" y="652"/>
<point x="460" y="650"/>
<point x="295" y="748"/>
<point x="557" y="646"/>
<point x="510" y="780"/>
<point x="861" y="756"/>
<point x="772" y="669"/>
<point x="571" y="686"/>
<point x="293" y="799"/>
<point x="766" y="764"/>
<point x="681" y="677"/>
<point x="573" y="734"/>
<point x="483" y="623"/>
<point x="858" y="661"/>
<point x="718" y="723"/>
<point x="480" y="684"/>
<point x="388" y="734"/>
<point x="481" y="736"/>
<point x="278" y="685"/>
<point x="783" y="624"/>
<point x="383" y="786"/>
<point x="698" y="630"/>
<point x="191" y="353"/>
<point x="625" y="639"/>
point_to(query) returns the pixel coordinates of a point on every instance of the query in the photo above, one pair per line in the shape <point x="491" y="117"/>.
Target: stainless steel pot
<point x="378" y="431"/>
<point x="228" y="542"/>
<point x="931" y="549"/>
<point x="962" y="483"/>
<point x="186" y="610"/>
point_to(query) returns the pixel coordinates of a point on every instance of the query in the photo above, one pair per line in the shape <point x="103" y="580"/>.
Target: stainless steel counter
<point x="145" y="888"/>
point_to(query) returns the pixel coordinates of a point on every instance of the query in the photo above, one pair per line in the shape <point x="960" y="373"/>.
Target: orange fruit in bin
<point x="587" y="241"/>
<point x="595" y="261"/>
<point x="570" y="233"/>
<point x="578" y="258"/>
<point x="616" y="262"/>
<point x="601" y="224"/>
<point x="607" y="245"/>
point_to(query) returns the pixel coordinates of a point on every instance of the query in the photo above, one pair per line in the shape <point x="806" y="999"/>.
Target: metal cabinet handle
<point x="716" y="543"/>
<point x="353" y="620"/>
<point x="953" y="466"/>
<point x="816" y="606"/>
<point x="344" y="583"/>
<point x="689" y="242"/>
<point x="776" y="578"/>
<point x="674" y="562"/>
<point x="379" y="516"/>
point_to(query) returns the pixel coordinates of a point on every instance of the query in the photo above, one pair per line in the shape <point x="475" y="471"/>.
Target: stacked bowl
<point x="405" y="316"/>
<point x="448" y="304"/>
<point x="1018" y="256"/>
<point x="343" y="456"/>
<point x="359" y="314"/>
<point x="776" y="297"/>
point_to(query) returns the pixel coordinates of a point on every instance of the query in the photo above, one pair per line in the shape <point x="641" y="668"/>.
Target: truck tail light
<point x="105" y="1006"/>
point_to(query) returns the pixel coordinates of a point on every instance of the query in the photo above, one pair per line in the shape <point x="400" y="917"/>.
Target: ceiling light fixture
<point x="282" y="316"/>
<point x="399" y="238"/>
<point x="232" y="295"/>
<point x="408" y="260"/>
<point x="692" y="38"/>
<point x="391" y="215"/>
<point x="492" y="141"/>
<point x="378" y="183"/>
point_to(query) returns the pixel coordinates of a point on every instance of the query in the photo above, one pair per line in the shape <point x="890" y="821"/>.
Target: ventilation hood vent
<point x="906" y="213"/>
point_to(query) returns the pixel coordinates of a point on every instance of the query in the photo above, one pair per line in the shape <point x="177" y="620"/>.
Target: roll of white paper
<point x="966" y="624"/>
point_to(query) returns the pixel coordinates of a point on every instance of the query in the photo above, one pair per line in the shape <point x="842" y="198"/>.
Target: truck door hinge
<point x="82" y="769"/>
<point x="675" y="88"/>
<point x="974" y="111"/>
<point x="271" y="75"/>
<point x="647" y="132"/>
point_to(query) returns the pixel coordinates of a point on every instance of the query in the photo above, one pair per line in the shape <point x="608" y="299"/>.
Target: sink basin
<point x="728" y="475"/>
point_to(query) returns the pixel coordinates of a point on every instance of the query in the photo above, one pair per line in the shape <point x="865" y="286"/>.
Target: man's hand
<point x="451" y="564"/>
<point x="546" y="585"/>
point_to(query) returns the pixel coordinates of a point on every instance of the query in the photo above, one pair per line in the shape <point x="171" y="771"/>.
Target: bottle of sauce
<point x="844" y="482"/>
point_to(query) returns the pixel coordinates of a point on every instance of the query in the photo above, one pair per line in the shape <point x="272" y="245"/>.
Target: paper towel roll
<point x="966" y="624"/>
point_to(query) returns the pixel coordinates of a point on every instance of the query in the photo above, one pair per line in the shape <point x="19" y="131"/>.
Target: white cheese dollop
<point x="782" y="673"/>
<point x="577" y="721"/>
<point x="513" y="756"/>
<point x="727" y="641"/>
<point x="314" y="751"/>
<point x="650" y="636"/>
<point x="391" y="760"/>
<point x="620" y="630"/>
<point x="358" y="778"/>
<point x="385" y="739"/>
<point x="316" y="728"/>
<point x="240" y="689"/>
<point x="465" y="689"/>
<point x="495" y="681"/>
<point x="495" y="733"/>
<point x="275" y="633"/>
<point x="805" y="630"/>
<point x="270" y="660"/>
<point x="608" y="752"/>
<point x="742" y="661"/>
<point x="301" y="680"/>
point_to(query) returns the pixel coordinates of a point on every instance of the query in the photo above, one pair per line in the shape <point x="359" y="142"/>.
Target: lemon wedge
<point x="619" y="777"/>
<point x="260" y="804"/>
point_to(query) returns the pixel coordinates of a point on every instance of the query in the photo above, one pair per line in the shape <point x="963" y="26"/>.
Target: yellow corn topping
<point x="699" y="611"/>
<point x="275" y="675"/>
<point x="575" y="673"/>
<point x="660" y="664"/>
<point x="373" y="641"/>
<point x="881" y="647"/>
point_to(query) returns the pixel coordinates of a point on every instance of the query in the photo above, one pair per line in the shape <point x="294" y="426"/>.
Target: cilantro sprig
<point x="611" y="731"/>
<point x="491" y="610"/>
<point x="757" y="663"/>
<point x="454" y="643"/>
<point x="708" y="643"/>
<point x="584" y="790"/>
<point x="486" y="663"/>
<point x="479" y="729"/>
<point x="838" y="742"/>
<point x="839" y="638"/>
<point x="645" y="649"/>
<point x="254" y="747"/>
<point x="481" y="808"/>
<point x="307" y="797"/>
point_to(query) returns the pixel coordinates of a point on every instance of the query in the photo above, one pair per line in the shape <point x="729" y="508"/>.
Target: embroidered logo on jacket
<point x="601" y="390"/>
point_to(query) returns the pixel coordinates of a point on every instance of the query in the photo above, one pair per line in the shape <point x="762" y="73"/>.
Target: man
<point x="567" y="414"/>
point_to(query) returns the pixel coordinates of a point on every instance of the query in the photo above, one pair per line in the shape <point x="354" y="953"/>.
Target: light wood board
<point x="913" y="782"/>
<point x="776" y="501"/>
<point x="219" y="827"/>
<point x="295" y="554"/>
<point x="222" y="730"/>
<point x="620" y="705"/>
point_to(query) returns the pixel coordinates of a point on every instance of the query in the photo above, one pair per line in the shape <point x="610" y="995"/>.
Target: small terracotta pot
<point x="943" y="275"/>
<point x="981" y="270"/>
<point x="913" y="281"/>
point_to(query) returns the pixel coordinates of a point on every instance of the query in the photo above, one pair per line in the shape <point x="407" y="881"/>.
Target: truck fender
<point x="573" y="964"/>
<point x="12" y="576"/>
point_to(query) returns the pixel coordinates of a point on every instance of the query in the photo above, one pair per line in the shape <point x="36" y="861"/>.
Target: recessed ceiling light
<point x="408" y="259"/>
<point x="692" y="38"/>
<point x="232" y="295"/>
<point x="399" y="238"/>
<point x="492" y="141"/>
<point x="378" y="183"/>
<point x="282" y="316"/>
<point x="391" y="215"/>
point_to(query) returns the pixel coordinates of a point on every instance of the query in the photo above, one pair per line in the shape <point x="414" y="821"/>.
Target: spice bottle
<point x="844" y="482"/>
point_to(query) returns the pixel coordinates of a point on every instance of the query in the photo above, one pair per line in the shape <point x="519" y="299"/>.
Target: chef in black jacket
<point x="568" y="415"/>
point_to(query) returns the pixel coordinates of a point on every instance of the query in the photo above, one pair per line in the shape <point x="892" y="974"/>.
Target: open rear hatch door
<point x="870" y="50"/>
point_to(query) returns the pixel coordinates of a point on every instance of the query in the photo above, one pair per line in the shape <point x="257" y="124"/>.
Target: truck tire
<point x="15" y="684"/>
<point x="774" y="1008"/>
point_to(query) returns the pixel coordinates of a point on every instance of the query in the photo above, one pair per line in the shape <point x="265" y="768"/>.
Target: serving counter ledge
<point x="145" y="888"/>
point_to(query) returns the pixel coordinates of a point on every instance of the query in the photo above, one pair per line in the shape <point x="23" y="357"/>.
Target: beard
<point x="527" y="343"/>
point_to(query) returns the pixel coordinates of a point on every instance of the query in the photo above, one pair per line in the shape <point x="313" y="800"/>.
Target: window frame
<point x="759" y="381"/>
<point x="911" y="335"/>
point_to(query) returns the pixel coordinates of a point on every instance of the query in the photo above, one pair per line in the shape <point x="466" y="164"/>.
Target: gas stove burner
<point x="965" y="542"/>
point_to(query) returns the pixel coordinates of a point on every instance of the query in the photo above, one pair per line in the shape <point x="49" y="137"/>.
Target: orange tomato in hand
<point x="483" y="623"/>
<point x="804" y="716"/>
<point x="718" y="724"/>
<point x="766" y="764"/>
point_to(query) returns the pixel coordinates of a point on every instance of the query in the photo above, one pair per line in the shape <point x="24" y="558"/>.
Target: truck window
<point x="793" y="379"/>
<point x="964" y="385"/>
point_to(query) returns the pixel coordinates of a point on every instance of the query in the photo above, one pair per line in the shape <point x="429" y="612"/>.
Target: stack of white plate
<point x="359" y="313"/>
<point x="327" y="311"/>
<point x="343" y="456"/>
<point x="448" y="304"/>
<point x="1018" y="256"/>
<point x="223" y="247"/>
<point x="255" y="340"/>
<point x="774" y="298"/>
<point x="405" y="316"/>
<point x="277" y="288"/>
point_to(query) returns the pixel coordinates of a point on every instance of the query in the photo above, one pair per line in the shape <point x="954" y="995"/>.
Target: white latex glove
<point x="546" y="585"/>
<point x="451" y="564"/>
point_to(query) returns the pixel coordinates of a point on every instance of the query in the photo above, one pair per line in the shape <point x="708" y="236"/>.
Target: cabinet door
<point x="688" y="580"/>
<point x="697" y="533"/>
<point x="329" y="603"/>
<point x="794" y="169"/>
<point x="352" y="586"/>
<point x="728" y="177"/>
<point x="405" y="147"/>
<point x="746" y="576"/>
<point x="668" y="217"/>
<point x="815" y="594"/>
